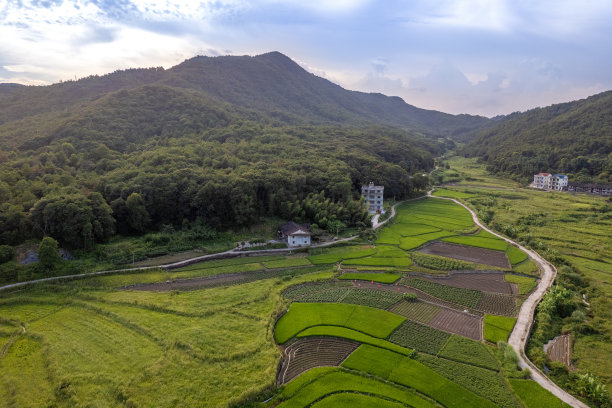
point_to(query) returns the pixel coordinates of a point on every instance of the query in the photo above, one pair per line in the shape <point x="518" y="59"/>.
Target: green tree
<point x="138" y="216"/>
<point x="48" y="253"/>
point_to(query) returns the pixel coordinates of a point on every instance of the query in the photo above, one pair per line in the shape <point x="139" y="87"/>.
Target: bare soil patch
<point x="486" y="282"/>
<point x="560" y="349"/>
<point x="461" y="323"/>
<point x="468" y="253"/>
<point x="305" y="354"/>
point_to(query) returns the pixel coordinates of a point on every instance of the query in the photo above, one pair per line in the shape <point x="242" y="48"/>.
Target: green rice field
<point x="498" y="328"/>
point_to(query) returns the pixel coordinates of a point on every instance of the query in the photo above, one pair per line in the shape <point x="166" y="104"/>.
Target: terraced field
<point x="346" y="339"/>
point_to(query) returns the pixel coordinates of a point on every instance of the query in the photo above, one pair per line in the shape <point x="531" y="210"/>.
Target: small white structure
<point x="373" y="197"/>
<point x="547" y="181"/>
<point x="294" y="234"/>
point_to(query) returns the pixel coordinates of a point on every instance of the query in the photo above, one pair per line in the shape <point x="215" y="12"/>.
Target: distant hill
<point x="573" y="138"/>
<point x="269" y="86"/>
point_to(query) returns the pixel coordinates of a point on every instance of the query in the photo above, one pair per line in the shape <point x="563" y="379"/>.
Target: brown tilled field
<point x="468" y="253"/>
<point x="487" y="282"/>
<point x="493" y="303"/>
<point x="416" y="310"/>
<point x="460" y="323"/>
<point x="559" y="349"/>
<point x="302" y="355"/>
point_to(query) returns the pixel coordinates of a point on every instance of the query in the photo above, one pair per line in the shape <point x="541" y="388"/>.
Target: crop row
<point x="468" y="351"/>
<point x="411" y="373"/>
<point x="466" y="297"/>
<point x="481" y="381"/>
<point x="419" y="337"/>
<point x="333" y="293"/>
<point x="497" y="304"/>
<point x="440" y="263"/>
<point x="415" y="310"/>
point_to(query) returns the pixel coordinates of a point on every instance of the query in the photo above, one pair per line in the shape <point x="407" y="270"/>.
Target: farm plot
<point x="515" y="255"/>
<point x="408" y="372"/>
<point x="321" y="292"/>
<point x="333" y="255"/>
<point x="408" y="243"/>
<point x="533" y="396"/>
<point x="496" y="244"/>
<point x="524" y="284"/>
<point x="286" y="263"/>
<point x="493" y="303"/>
<point x="486" y="282"/>
<point x="481" y="381"/>
<point x="219" y="280"/>
<point x="334" y="292"/>
<point x="527" y="267"/>
<point x="466" y="297"/>
<point x="371" y="321"/>
<point x="415" y="310"/>
<point x="440" y="263"/>
<point x="356" y="399"/>
<point x="443" y="192"/>
<point x="403" y="262"/>
<point x="468" y="351"/>
<point x="559" y="349"/>
<point x="321" y="382"/>
<point x="373" y="277"/>
<point x="498" y="328"/>
<point x="308" y="353"/>
<point x="343" y="332"/>
<point x="453" y="321"/>
<point x="468" y="253"/>
<point x="419" y="337"/>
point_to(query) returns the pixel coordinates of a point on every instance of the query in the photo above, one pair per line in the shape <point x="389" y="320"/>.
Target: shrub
<point x="7" y="253"/>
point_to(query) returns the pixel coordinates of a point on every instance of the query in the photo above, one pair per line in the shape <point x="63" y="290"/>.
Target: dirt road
<point x="520" y="334"/>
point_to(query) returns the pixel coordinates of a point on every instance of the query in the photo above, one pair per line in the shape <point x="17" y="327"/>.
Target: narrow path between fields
<point x="520" y="333"/>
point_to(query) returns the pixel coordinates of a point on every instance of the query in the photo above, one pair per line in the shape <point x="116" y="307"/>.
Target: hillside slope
<point x="269" y="86"/>
<point x="573" y="138"/>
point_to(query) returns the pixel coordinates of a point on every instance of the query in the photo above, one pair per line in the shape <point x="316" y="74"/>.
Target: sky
<point x="457" y="56"/>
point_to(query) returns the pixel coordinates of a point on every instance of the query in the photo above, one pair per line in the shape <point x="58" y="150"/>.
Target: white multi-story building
<point x="547" y="181"/>
<point x="373" y="197"/>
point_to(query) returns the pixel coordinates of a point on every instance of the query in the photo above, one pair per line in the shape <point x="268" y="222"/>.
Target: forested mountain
<point x="269" y="86"/>
<point x="221" y="141"/>
<point x="573" y="138"/>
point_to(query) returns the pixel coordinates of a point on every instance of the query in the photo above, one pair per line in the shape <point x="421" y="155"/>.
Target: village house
<point x="294" y="234"/>
<point x="373" y="197"/>
<point x="547" y="181"/>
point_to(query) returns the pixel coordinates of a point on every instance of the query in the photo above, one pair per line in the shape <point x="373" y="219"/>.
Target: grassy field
<point x="373" y="322"/>
<point x="321" y="382"/>
<point x="478" y="241"/>
<point x="86" y="344"/>
<point x="525" y="284"/>
<point x="408" y="372"/>
<point x="498" y="328"/>
<point x="443" y="192"/>
<point x="333" y="255"/>
<point x="534" y="396"/>
<point x="565" y="228"/>
<point x="374" y="277"/>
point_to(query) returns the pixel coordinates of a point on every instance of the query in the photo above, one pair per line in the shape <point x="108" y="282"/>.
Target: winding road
<point x="520" y="333"/>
